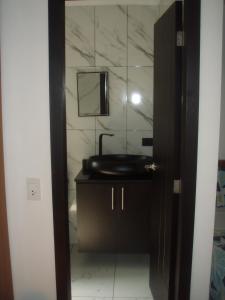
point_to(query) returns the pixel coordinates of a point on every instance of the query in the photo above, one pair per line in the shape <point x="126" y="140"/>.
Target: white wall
<point x="220" y="212"/>
<point x="25" y="92"/>
<point x="209" y="121"/>
<point x="222" y="119"/>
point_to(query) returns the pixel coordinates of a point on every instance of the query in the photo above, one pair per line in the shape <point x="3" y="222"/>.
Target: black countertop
<point x="88" y="178"/>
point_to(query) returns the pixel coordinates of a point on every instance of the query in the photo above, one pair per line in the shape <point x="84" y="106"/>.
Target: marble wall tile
<point x="134" y="142"/>
<point x="141" y="20"/>
<point x="80" y="145"/>
<point x="80" y="36"/>
<point x="112" y="145"/>
<point x="117" y="100"/>
<point x="111" y="35"/>
<point x="164" y="5"/>
<point x="72" y="216"/>
<point x="73" y="121"/>
<point x="72" y="200"/>
<point x="109" y="38"/>
<point x="140" y="85"/>
<point x="72" y="228"/>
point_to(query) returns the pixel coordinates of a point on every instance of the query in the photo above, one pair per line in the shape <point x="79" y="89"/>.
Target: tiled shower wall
<point x="164" y="5"/>
<point x="119" y="40"/>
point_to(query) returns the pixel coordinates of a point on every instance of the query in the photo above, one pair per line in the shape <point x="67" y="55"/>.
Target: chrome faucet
<point x="100" y="141"/>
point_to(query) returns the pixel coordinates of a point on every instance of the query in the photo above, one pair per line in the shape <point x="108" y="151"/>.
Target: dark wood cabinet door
<point x="96" y="217"/>
<point x="133" y="226"/>
<point x="167" y="112"/>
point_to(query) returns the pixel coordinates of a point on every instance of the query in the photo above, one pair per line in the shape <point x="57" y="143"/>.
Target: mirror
<point x="92" y="91"/>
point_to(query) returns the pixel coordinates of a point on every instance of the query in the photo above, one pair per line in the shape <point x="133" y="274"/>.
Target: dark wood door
<point x="96" y="217"/>
<point x="167" y="112"/>
<point x="134" y="217"/>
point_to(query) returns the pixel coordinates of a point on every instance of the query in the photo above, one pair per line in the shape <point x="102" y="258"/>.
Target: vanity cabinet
<point x="133" y="221"/>
<point x="114" y="216"/>
<point x="96" y="228"/>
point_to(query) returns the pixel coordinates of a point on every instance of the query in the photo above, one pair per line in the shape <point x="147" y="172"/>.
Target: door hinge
<point x="177" y="186"/>
<point x="180" y="38"/>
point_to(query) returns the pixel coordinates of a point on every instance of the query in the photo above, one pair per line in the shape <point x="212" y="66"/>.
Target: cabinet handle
<point x="112" y="198"/>
<point x="122" y="198"/>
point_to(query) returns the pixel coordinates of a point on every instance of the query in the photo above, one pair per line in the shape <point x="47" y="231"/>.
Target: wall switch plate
<point x="33" y="189"/>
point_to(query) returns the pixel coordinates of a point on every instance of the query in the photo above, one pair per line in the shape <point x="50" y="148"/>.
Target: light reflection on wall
<point x="136" y="98"/>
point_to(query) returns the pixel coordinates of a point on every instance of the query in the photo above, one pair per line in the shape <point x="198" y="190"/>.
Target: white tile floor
<point x="108" y="277"/>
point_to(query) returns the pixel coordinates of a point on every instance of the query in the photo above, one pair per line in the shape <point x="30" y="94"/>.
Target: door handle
<point x="152" y="167"/>
<point x="122" y="198"/>
<point x="112" y="198"/>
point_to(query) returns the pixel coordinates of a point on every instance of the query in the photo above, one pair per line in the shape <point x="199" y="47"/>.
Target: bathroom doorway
<point x="59" y="165"/>
<point x="120" y="57"/>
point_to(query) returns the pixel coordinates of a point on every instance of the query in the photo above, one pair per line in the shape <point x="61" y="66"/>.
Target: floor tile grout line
<point x="116" y="265"/>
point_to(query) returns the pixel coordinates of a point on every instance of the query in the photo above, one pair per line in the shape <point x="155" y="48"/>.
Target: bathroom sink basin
<point x="117" y="164"/>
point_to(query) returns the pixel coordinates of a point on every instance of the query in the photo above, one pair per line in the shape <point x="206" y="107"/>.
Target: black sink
<point x="117" y="164"/>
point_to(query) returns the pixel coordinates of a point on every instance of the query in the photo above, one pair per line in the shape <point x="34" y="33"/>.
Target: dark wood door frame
<point x="188" y="144"/>
<point x="58" y="146"/>
<point x="6" y="286"/>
